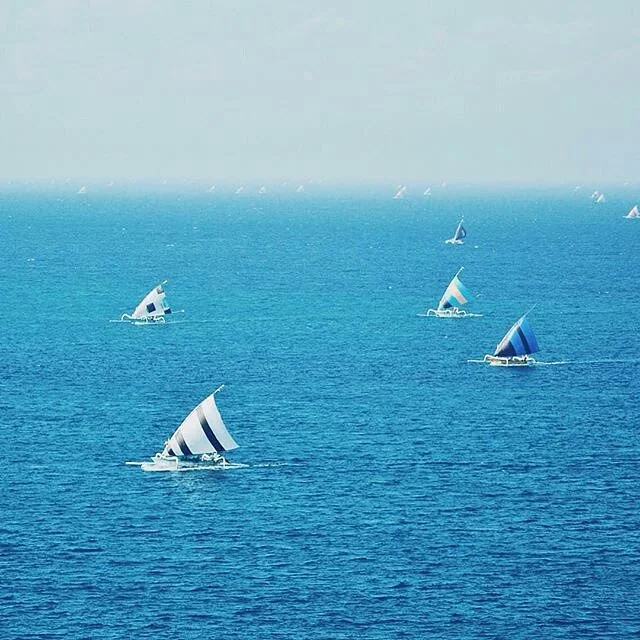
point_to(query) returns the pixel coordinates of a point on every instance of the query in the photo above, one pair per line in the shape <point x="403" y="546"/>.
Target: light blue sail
<point x="519" y="341"/>
<point x="455" y="294"/>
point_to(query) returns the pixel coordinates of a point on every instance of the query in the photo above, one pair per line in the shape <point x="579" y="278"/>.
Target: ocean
<point x="393" y="489"/>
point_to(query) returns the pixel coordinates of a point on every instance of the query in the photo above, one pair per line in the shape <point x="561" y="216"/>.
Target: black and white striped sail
<point x="153" y="305"/>
<point x="202" y="431"/>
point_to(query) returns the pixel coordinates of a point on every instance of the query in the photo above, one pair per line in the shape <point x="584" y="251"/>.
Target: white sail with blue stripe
<point x="459" y="235"/>
<point x="454" y="296"/>
<point x="516" y="347"/>
<point x="198" y="442"/>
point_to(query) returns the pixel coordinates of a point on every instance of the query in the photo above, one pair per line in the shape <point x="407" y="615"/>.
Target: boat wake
<point x="575" y="362"/>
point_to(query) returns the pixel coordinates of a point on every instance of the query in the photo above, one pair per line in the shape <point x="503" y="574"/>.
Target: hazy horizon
<point x="353" y="92"/>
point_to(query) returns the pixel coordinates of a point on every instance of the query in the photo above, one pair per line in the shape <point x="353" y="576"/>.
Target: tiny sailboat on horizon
<point x="633" y="212"/>
<point x="515" y="349"/>
<point x="455" y="294"/>
<point x="459" y="235"/>
<point x="197" y="444"/>
<point x="152" y="309"/>
<point x="400" y="191"/>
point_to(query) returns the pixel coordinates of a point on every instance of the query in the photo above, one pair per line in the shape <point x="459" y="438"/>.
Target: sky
<point x="339" y="90"/>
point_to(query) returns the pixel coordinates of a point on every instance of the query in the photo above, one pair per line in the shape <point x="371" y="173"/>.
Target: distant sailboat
<point x="459" y="235"/>
<point x="400" y="191"/>
<point x="600" y="199"/>
<point x="455" y="294"/>
<point x="633" y="213"/>
<point x="239" y="190"/>
<point x="198" y="443"/>
<point x="595" y="195"/>
<point x="152" y="308"/>
<point x="262" y="189"/>
<point x="515" y="348"/>
<point x="427" y="191"/>
<point x="82" y="189"/>
<point x="212" y="188"/>
<point x="300" y="189"/>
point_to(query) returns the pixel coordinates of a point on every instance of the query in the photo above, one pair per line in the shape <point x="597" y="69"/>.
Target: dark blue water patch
<point x="393" y="490"/>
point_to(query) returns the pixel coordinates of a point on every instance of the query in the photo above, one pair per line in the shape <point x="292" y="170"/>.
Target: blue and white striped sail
<point x="202" y="431"/>
<point x="153" y="305"/>
<point x="456" y="294"/>
<point x="519" y="341"/>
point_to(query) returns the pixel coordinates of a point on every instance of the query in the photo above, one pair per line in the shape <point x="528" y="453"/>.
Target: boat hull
<point x="513" y="361"/>
<point x="172" y="463"/>
<point x="452" y="241"/>
<point x="448" y="313"/>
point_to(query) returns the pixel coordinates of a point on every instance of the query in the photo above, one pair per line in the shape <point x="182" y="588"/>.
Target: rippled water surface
<point x="394" y="490"/>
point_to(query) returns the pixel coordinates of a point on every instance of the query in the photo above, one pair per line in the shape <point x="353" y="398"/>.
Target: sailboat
<point x="515" y="348"/>
<point x="82" y="189"/>
<point x="198" y="443"/>
<point x="455" y="294"/>
<point x="600" y="199"/>
<point x="459" y="235"/>
<point x="152" y="308"/>
<point x="633" y="213"/>
<point x="427" y="191"/>
<point x="400" y="192"/>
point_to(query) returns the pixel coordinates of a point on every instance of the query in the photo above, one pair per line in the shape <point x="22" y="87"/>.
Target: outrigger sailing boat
<point x="459" y="235"/>
<point x="633" y="213"/>
<point x="197" y="443"/>
<point x="152" y="308"/>
<point x="456" y="293"/>
<point x="515" y="348"/>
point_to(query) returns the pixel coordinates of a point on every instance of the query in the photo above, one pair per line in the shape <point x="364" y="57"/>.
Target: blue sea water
<point x="394" y="490"/>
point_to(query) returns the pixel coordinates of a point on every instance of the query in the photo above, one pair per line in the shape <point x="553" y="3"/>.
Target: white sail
<point x="633" y="212"/>
<point x="153" y="305"/>
<point x="400" y="192"/>
<point x="82" y="189"/>
<point x="601" y="198"/>
<point x="202" y="431"/>
<point x="300" y="189"/>
<point x="262" y="189"/>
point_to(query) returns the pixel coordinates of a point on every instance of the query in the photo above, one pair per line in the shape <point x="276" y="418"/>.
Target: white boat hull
<point x="172" y="463"/>
<point x="514" y="361"/>
<point x="449" y="313"/>
<point x="452" y="241"/>
<point x="203" y="466"/>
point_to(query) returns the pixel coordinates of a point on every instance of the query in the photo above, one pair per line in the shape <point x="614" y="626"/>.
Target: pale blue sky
<point x="471" y="91"/>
